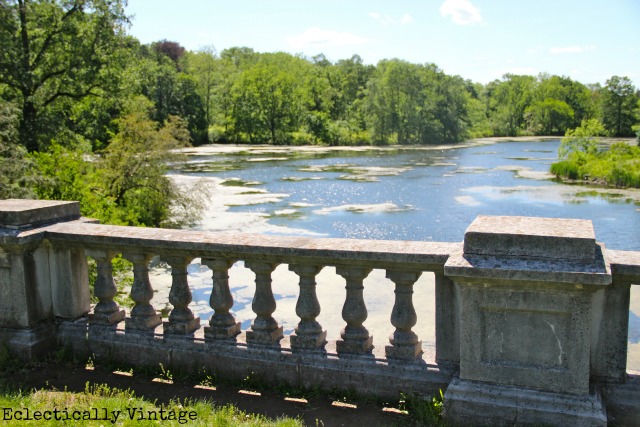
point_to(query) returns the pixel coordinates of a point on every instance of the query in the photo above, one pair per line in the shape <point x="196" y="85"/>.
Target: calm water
<point x="424" y="194"/>
<point x="418" y="194"/>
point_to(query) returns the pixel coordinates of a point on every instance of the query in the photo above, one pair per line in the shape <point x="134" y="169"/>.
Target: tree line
<point x="69" y="66"/>
<point x="74" y="82"/>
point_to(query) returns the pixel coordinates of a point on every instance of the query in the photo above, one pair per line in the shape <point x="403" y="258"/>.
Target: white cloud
<point x="406" y="18"/>
<point x="315" y="37"/>
<point x="387" y="20"/>
<point x="571" y="49"/>
<point x="462" y="12"/>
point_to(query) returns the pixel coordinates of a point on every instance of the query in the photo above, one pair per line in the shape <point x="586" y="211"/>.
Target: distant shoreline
<point x="235" y="148"/>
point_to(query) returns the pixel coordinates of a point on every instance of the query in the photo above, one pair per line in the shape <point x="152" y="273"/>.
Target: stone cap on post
<point x="529" y="248"/>
<point x="19" y="214"/>
<point x="531" y="237"/>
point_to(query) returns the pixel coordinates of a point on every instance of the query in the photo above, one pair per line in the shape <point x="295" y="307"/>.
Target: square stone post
<point x="531" y="291"/>
<point x="27" y="302"/>
<point x="447" y="322"/>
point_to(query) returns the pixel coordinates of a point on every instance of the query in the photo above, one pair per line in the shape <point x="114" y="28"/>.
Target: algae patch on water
<point x="372" y="208"/>
<point x="237" y="182"/>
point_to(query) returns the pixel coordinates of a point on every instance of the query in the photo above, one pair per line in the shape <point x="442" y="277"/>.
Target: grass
<point x="98" y="400"/>
<point x="100" y="404"/>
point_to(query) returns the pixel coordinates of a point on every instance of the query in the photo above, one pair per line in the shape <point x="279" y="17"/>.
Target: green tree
<point x="17" y="171"/>
<point x="548" y="117"/>
<point x="173" y="92"/>
<point x="415" y="104"/>
<point x="133" y="169"/>
<point x="583" y="139"/>
<point x="54" y="50"/>
<point x="618" y="105"/>
<point x="508" y="100"/>
<point x="269" y="98"/>
<point x="576" y="95"/>
<point x="204" y="67"/>
<point x="479" y="124"/>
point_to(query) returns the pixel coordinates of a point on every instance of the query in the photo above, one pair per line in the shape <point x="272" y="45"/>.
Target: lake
<point x="425" y="193"/>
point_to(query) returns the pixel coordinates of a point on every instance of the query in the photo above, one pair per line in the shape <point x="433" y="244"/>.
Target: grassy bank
<point x="619" y="166"/>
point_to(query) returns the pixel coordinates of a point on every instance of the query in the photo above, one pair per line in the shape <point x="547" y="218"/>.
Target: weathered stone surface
<point x="20" y="214"/>
<point x="509" y="269"/>
<point x="475" y="404"/>
<point x="265" y="337"/>
<point x="183" y="327"/>
<point x="143" y="323"/>
<point x="143" y="316"/>
<point x="365" y="374"/>
<point x="530" y="337"/>
<point x="264" y="329"/>
<point x="447" y="321"/>
<point x="309" y="342"/>
<point x="69" y="282"/>
<point x="625" y="265"/>
<point x="532" y="297"/>
<point x="222" y="324"/>
<point x="309" y="334"/>
<point x="530" y="237"/>
<point x="611" y="333"/>
<point x="425" y="255"/>
<point x="355" y="337"/>
<point x="222" y="332"/>
<point x="623" y="402"/>
<point x="181" y="319"/>
<point x="29" y="344"/>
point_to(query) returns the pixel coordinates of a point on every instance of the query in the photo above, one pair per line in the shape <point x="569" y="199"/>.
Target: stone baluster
<point x="355" y="337"/>
<point x="181" y="319"/>
<point x="107" y="311"/>
<point x="308" y="334"/>
<point x="143" y="316"/>
<point x="265" y="329"/>
<point x="222" y="325"/>
<point x="404" y="342"/>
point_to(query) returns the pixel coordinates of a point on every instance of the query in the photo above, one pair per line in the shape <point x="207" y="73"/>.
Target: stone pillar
<point x="106" y="311"/>
<point x="143" y="316"/>
<point x="32" y="285"/>
<point x="265" y="329"/>
<point x="404" y="342"/>
<point x="609" y="356"/>
<point x="181" y="319"/>
<point x="528" y="291"/>
<point x="308" y="334"/>
<point x="355" y="337"/>
<point x="447" y="322"/>
<point x="222" y="325"/>
<point x="69" y="275"/>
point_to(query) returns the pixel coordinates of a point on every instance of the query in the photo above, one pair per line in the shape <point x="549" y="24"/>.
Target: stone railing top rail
<point x="328" y="251"/>
<point x="625" y="263"/>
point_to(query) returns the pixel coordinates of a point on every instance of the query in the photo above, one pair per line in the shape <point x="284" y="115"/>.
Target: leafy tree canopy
<point x="54" y="50"/>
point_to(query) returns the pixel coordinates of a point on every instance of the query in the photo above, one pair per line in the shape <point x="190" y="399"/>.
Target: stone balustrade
<point x="531" y="319"/>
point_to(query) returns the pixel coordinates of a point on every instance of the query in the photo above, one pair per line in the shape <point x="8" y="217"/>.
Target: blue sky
<point x="587" y="40"/>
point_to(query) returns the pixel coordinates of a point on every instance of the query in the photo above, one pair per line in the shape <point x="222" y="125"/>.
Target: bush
<point x="565" y="169"/>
